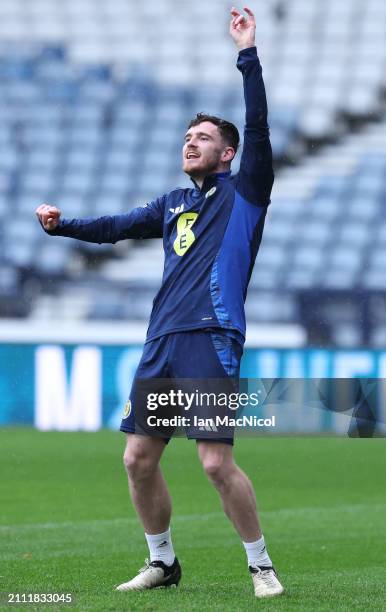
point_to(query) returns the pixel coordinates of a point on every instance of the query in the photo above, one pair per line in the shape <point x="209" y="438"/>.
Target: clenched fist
<point x="49" y="216"/>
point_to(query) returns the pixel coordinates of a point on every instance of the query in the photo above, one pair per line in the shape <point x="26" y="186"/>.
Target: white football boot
<point x="265" y="582"/>
<point x="153" y="575"/>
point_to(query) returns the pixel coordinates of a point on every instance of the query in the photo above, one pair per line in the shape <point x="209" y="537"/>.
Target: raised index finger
<point x="249" y="13"/>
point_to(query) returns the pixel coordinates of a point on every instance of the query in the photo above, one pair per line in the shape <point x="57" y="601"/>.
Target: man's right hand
<point x="49" y="216"/>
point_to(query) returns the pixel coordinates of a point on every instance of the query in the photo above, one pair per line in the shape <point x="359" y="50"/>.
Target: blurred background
<point x="94" y="101"/>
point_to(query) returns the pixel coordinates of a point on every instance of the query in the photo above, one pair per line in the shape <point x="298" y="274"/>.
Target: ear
<point x="228" y="154"/>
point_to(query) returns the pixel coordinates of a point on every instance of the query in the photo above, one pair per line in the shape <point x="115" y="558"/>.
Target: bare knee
<point x="138" y="466"/>
<point x="217" y="464"/>
<point x="214" y="469"/>
<point x="141" y="458"/>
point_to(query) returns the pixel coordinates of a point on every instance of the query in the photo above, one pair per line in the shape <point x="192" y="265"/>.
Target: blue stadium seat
<point x="72" y="205"/>
<point x="309" y="257"/>
<point x="36" y="180"/>
<point x="51" y="259"/>
<point x="300" y="279"/>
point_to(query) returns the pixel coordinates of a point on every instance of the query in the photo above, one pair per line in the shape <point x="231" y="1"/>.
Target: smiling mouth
<point x="192" y="156"/>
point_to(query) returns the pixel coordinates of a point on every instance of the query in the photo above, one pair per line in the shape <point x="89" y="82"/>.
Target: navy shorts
<point x="197" y="364"/>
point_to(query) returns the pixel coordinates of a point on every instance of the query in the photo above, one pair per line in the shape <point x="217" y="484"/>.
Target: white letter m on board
<point x="76" y="406"/>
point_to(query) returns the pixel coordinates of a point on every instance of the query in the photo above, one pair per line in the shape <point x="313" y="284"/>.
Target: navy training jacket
<point x="210" y="235"/>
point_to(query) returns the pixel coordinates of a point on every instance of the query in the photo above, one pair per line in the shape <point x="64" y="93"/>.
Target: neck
<point x="199" y="180"/>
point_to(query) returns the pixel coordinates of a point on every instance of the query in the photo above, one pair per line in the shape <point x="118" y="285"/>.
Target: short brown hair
<point x="228" y="131"/>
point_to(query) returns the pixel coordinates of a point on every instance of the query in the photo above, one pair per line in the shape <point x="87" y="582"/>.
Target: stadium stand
<point x="92" y="118"/>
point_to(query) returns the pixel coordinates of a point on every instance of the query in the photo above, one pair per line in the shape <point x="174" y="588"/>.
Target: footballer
<point x="211" y="234"/>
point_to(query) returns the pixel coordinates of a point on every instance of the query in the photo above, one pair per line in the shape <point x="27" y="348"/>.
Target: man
<point x="211" y="234"/>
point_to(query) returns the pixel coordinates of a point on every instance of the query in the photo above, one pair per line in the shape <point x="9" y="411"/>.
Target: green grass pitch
<point x="68" y="525"/>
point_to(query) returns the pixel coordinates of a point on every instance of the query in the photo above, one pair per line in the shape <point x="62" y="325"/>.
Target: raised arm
<point x="255" y="178"/>
<point x="142" y="222"/>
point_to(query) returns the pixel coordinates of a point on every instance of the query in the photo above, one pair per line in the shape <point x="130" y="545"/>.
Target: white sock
<point x="161" y="547"/>
<point x="257" y="553"/>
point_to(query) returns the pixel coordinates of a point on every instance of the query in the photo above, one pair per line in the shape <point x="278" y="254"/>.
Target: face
<point x="204" y="151"/>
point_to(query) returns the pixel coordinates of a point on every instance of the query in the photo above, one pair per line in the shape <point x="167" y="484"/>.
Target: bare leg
<point x="147" y="485"/>
<point x="234" y="487"/>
